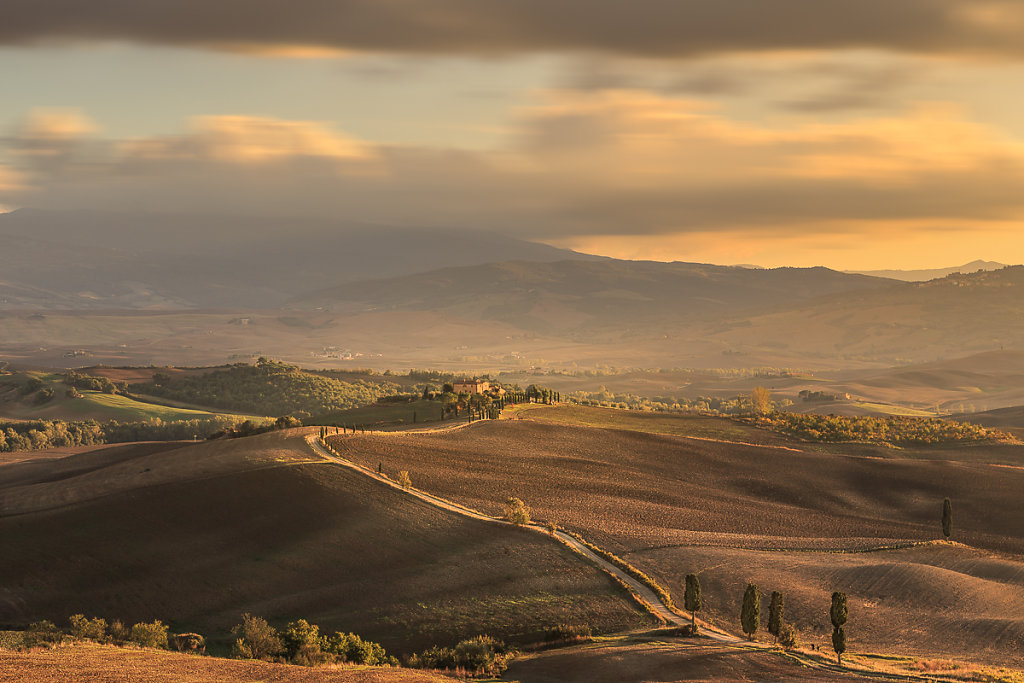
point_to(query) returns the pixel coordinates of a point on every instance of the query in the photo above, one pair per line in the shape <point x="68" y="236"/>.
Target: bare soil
<point x="90" y="663"/>
<point x="197" y="534"/>
<point x="801" y="522"/>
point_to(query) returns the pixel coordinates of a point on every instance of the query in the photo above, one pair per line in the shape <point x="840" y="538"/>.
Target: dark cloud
<point x="665" y="28"/>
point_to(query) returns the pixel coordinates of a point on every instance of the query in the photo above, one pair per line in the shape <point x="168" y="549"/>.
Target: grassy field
<point x="92" y="405"/>
<point x="91" y="663"/>
<point x="380" y="414"/>
<point x="797" y="521"/>
<point x="196" y="534"/>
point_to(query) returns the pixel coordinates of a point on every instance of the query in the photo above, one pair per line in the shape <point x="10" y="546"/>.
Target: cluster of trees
<point x="77" y="380"/>
<point x="271" y="388"/>
<point x="896" y="430"/>
<point x="479" y="656"/>
<point x="705" y="405"/>
<point x="45" y="633"/>
<point x="40" y="434"/>
<point x="809" y="396"/>
<point x="301" y="643"/>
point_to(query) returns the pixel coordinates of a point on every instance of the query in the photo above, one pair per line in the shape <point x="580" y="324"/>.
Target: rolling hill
<point x="803" y="522"/>
<point x="582" y="296"/>
<point x="196" y="534"/>
<point x="948" y="317"/>
<point x="932" y="273"/>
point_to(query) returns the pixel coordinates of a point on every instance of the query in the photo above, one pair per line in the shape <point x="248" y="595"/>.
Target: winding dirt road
<point x="644" y="595"/>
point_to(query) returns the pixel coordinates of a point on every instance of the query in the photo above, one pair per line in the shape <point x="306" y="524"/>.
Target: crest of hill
<point x="563" y="295"/>
<point x="925" y="274"/>
<point x="951" y="316"/>
<point x="197" y="534"/>
<point x="95" y="260"/>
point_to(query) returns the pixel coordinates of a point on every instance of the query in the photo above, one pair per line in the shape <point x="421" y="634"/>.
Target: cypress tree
<point x="775" y="614"/>
<point x="838" y="614"/>
<point x="839" y="643"/>
<point x="692" y="598"/>
<point x="947" y="518"/>
<point x="750" y="617"/>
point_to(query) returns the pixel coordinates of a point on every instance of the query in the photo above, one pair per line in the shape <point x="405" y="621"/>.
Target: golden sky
<point x="867" y="134"/>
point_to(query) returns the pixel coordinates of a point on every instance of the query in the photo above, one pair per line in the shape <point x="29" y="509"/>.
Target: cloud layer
<point x="577" y="165"/>
<point x="661" y="28"/>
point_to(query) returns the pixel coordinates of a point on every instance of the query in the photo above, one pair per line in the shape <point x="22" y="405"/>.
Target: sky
<point x="855" y="134"/>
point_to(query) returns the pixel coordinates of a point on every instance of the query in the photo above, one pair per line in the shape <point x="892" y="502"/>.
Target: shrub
<point x="189" y="642"/>
<point x="436" y="657"/>
<point x="787" y="636"/>
<point x="302" y="643"/>
<point x="403" y="479"/>
<point x="41" y="633"/>
<point x="568" y="633"/>
<point x="517" y="512"/>
<point x="349" y="647"/>
<point x="118" y="632"/>
<point x="149" y="635"/>
<point x="88" y="629"/>
<point x="256" y="639"/>
<point x="482" y="655"/>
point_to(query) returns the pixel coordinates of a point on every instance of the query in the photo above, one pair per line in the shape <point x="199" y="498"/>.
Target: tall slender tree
<point x="692" y="598"/>
<point x="947" y="518"/>
<point x="838" y="614"/>
<point x="750" y="616"/>
<point x="775" y="614"/>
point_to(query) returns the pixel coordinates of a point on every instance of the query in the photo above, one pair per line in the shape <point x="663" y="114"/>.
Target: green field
<point x="92" y="405"/>
<point x="887" y="409"/>
<point x="382" y="414"/>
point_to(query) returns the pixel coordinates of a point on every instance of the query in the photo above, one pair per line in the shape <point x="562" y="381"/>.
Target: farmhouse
<point x="471" y="386"/>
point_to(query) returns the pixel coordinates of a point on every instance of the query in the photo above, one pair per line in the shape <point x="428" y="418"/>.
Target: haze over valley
<point x="585" y="342"/>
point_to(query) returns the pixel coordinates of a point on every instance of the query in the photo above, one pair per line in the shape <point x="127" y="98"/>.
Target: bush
<point x="256" y="639"/>
<point x="403" y="479"/>
<point x="302" y="643"/>
<point x="517" y="512"/>
<point x="42" y="633"/>
<point x="568" y="633"/>
<point x="787" y="636"/>
<point x="118" y="632"/>
<point x="482" y="655"/>
<point x="349" y="647"/>
<point x="149" y="635"/>
<point x="189" y="642"/>
<point x="88" y="629"/>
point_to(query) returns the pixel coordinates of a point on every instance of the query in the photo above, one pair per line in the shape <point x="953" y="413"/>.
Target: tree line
<point x="36" y="435"/>
<point x="892" y="429"/>
<point x="270" y="388"/>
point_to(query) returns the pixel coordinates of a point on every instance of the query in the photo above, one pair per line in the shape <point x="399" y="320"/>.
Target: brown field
<point x="800" y="522"/>
<point x="86" y="662"/>
<point x="725" y="429"/>
<point x="196" y="534"/>
<point x="665" y="661"/>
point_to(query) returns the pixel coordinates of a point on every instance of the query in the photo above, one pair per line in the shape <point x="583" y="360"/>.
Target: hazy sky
<point x="847" y="133"/>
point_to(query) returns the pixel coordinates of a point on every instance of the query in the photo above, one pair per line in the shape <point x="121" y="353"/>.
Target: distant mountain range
<point x="428" y="294"/>
<point x="931" y="273"/>
<point x="584" y="296"/>
<point x="56" y="260"/>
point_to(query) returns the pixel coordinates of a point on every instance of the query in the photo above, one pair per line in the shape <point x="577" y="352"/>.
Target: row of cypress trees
<point x="750" y="615"/>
